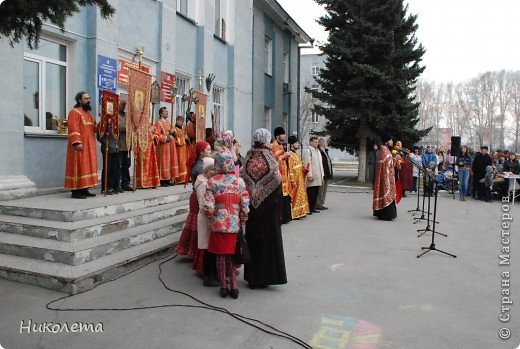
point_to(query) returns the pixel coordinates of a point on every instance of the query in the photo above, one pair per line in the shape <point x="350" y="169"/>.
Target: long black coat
<point x="479" y="165"/>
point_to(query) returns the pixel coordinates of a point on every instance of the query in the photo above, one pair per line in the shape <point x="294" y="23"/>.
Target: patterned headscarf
<point x="197" y="150"/>
<point x="224" y="141"/>
<point x="260" y="173"/>
<point x="262" y="136"/>
<point x="224" y="163"/>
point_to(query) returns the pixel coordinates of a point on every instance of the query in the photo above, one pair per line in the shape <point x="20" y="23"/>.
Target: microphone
<point x="403" y="151"/>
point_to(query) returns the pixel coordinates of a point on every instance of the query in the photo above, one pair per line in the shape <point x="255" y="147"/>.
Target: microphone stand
<point x="436" y="191"/>
<point x="423" y="171"/>
<point x="417" y="189"/>
<point x="432" y="244"/>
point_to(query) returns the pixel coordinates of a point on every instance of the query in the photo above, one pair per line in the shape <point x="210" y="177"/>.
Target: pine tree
<point x="367" y="85"/>
<point x="24" y="18"/>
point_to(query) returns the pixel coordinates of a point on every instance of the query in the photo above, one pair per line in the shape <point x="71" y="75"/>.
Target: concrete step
<point x="60" y="207"/>
<point x="86" y="250"/>
<point x="90" y="228"/>
<point x="78" y="278"/>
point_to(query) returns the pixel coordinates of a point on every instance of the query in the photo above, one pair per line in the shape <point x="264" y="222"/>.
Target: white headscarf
<point x="262" y="136"/>
<point x="207" y="163"/>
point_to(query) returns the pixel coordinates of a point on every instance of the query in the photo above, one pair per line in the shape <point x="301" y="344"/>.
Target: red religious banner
<point x="122" y="70"/>
<point x="137" y="120"/>
<point x="167" y="81"/>
<point x="200" y="113"/>
<point x="109" y="113"/>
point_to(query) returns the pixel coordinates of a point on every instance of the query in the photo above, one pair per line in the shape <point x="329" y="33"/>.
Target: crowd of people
<point x="232" y="195"/>
<point x="394" y="170"/>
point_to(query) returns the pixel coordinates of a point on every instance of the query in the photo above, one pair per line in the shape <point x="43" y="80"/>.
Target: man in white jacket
<point x="313" y="165"/>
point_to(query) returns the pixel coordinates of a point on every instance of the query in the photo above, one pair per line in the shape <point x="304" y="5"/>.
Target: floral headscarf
<point x="224" y="163"/>
<point x="224" y="141"/>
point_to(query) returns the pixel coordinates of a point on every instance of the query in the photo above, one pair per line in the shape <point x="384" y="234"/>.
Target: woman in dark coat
<point x="263" y="231"/>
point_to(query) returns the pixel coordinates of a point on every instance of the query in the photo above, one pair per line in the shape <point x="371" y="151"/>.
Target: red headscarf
<point x="197" y="150"/>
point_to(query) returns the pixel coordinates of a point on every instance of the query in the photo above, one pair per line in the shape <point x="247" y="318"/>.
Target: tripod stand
<point x="423" y="171"/>
<point x="432" y="244"/>
<point x="417" y="189"/>
<point x="428" y="216"/>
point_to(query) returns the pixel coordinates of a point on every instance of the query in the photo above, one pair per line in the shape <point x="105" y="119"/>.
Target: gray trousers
<point x="322" y="193"/>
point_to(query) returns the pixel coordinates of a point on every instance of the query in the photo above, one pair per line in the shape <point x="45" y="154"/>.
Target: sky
<point x="462" y="38"/>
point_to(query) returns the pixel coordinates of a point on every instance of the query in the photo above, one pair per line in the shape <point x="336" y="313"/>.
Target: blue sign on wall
<point x="107" y="73"/>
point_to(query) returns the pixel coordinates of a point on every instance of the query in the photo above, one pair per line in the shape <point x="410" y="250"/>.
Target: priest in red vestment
<point x="384" y="198"/>
<point x="166" y="149"/>
<point x="81" y="166"/>
<point x="182" y="151"/>
<point x="191" y="129"/>
<point x="282" y="156"/>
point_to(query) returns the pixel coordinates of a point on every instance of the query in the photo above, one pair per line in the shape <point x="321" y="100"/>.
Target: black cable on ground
<point x="246" y="320"/>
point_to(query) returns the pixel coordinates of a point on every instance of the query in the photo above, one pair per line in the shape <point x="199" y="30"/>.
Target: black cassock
<point x="264" y="237"/>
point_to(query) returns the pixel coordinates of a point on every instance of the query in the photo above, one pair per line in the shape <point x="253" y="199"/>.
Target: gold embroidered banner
<point x="137" y="121"/>
<point x="109" y="112"/>
<point x="200" y="114"/>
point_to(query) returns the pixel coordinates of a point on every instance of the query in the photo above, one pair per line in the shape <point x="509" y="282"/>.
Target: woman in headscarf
<point x="226" y="204"/>
<point x="209" y="261"/>
<point x="187" y="245"/>
<point x="263" y="227"/>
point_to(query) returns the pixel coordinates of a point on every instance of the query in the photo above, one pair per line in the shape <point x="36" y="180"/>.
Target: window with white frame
<point x="183" y="87"/>
<point x="218" y="107"/>
<point x="220" y="22"/>
<point x="315" y="118"/>
<point x="267" y="117"/>
<point x="45" y="86"/>
<point x="218" y="18"/>
<point x="182" y="7"/>
<point x="286" y="67"/>
<point x="268" y="55"/>
<point x="315" y="69"/>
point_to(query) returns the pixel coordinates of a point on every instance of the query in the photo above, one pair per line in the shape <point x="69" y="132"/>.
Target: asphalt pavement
<point x="353" y="282"/>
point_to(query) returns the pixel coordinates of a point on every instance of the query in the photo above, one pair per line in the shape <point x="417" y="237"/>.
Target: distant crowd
<point x="481" y="174"/>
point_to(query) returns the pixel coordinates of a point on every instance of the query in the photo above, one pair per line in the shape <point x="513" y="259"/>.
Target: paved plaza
<point x="353" y="282"/>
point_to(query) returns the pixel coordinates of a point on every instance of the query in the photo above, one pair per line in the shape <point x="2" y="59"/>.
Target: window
<point x="220" y="23"/>
<point x="285" y="67"/>
<point x="45" y="86"/>
<point x="268" y="56"/>
<point x="183" y="87"/>
<point x="218" y="108"/>
<point x="217" y="18"/>
<point x="182" y="7"/>
<point x="315" y="118"/>
<point x="315" y="69"/>
<point x="267" y="117"/>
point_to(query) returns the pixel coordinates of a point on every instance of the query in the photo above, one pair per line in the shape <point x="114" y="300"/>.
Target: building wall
<point x="171" y="43"/>
<point x="11" y="112"/>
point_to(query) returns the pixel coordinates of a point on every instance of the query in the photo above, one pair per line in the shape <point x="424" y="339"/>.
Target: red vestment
<point x="146" y="172"/>
<point x="278" y="152"/>
<point x="384" y="184"/>
<point x="166" y="152"/>
<point x="182" y="155"/>
<point x="406" y="174"/>
<point x="81" y="165"/>
<point x="191" y="132"/>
